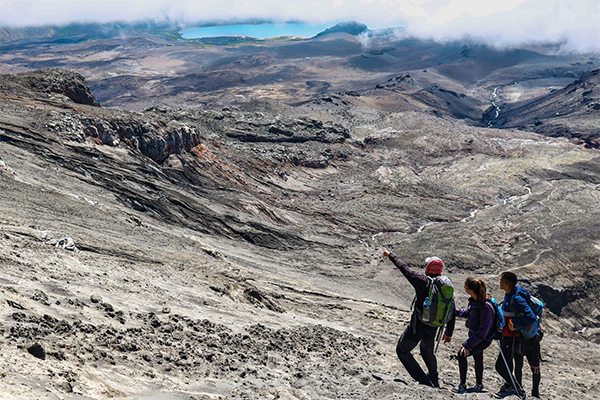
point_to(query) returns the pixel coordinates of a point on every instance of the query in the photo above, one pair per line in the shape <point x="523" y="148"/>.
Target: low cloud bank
<point x="506" y="22"/>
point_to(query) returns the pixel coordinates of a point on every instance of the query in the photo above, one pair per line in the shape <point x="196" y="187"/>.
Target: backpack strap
<point x="430" y="283"/>
<point x="525" y="295"/>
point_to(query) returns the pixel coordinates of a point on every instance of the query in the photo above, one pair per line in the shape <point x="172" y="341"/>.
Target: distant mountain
<point x="88" y="31"/>
<point x="350" y="27"/>
<point x="8" y="34"/>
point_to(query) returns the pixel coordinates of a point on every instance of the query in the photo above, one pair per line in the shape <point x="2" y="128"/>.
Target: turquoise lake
<point x="262" y="31"/>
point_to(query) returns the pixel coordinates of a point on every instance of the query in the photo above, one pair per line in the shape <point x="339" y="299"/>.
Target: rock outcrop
<point x="69" y="84"/>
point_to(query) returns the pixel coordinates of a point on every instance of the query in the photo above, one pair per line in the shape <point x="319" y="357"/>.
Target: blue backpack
<point x="498" y="324"/>
<point x="536" y="305"/>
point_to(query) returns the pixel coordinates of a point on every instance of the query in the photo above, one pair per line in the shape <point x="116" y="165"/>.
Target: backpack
<point x="536" y="305"/>
<point x="439" y="304"/>
<point x="498" y="324"/>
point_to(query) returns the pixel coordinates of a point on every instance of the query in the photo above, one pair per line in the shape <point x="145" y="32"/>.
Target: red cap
<point x="434" y="266"/>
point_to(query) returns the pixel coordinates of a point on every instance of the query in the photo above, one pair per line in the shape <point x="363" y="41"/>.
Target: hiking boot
<point x="434" y="381"/>
<point x="477" y="388"/>
<point x="507" y="390"/>
<point x="460" y="389"/>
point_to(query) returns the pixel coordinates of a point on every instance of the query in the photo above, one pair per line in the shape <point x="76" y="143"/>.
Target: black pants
<point x="419" y="332"/>
<point x="510" y="347"/>
<point x="477" y="354"/>
<point x="516" y="349"/>
<point x="530" y="348"/>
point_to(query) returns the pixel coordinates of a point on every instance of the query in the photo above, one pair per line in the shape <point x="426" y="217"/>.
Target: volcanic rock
<point x="261" y="228"/>
<point x="52" y="81"/>
<point x="37" y="350"/>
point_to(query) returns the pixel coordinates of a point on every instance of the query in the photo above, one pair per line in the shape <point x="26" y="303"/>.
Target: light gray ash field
<point x="183" y="221"/>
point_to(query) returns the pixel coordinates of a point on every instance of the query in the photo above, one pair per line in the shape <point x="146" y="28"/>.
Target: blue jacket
<point x="518" y="309"/>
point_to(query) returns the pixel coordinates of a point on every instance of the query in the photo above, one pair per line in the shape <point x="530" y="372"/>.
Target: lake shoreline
<point x="257" y="31"/>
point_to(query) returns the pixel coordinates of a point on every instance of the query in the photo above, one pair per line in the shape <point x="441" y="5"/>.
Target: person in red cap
<point x="418" y="330"/>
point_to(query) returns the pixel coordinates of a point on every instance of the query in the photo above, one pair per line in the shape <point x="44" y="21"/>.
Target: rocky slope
<point x="573" y="112"/>
<point x="403" y="93"/>
<point x="179" y="254"/>
<point x="52" y="82"/>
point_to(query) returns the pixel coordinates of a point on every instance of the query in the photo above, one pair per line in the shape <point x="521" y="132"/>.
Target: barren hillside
<point x="236" y="253"/>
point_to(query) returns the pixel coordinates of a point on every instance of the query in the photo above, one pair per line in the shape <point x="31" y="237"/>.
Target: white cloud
<point x="457" y="8"/>
<point x="516" y="21"/>
<point x="506" y="21"/>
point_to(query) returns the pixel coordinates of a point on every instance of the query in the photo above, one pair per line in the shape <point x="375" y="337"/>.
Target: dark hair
<point x="509" y="278"/>
<point x="478" y="286"/>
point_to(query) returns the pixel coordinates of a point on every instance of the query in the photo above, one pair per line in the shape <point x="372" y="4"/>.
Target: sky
<point x="575" y="22"/>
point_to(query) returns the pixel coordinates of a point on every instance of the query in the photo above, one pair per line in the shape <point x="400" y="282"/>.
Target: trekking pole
<point x="516" y="385"/>
<point x="440" y="334"/>
<point x="439" y="338"/>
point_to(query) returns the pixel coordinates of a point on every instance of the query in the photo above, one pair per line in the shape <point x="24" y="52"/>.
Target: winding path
<point x="494" y="96"/>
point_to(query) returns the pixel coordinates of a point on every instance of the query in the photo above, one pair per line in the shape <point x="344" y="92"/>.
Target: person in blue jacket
<point x="480" y="319"/>
<point x="517" y="313"/>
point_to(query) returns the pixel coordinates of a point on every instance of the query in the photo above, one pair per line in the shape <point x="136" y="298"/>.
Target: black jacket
<point x="419" y="282"/>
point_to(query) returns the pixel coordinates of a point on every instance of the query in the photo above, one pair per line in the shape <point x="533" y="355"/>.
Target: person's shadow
<point x="379" y="378"/>
<point x="472" y="390"/>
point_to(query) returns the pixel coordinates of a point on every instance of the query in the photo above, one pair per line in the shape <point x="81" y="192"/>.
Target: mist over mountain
<point x="508" y="23"/>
